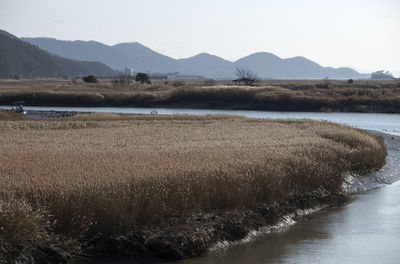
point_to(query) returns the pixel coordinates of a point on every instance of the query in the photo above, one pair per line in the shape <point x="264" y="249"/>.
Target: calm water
<point x="365" y="230"/>
<point x="389" y="123"/>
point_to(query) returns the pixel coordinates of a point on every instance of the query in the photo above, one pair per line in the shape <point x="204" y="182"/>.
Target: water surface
<point x="388" y="123"/>
<point x="365" y="230"/>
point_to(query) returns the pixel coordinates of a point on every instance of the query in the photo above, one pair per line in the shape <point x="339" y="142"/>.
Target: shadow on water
<point x="365" y="230"/>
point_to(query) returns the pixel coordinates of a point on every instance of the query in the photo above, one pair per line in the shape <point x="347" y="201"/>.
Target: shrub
<point x="90" y="79"/>
<point x="210" y="82"/>
<point x="178" y="84"/>
<point x="142" y="78"/>
<point x="245" y="76"/>
<point x="382" y="75"/>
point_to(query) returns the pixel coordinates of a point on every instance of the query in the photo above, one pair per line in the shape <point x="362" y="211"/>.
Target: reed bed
<point x="361" y="96"/>
<point x="7" y="115"/>
<point x="64" y="180"/>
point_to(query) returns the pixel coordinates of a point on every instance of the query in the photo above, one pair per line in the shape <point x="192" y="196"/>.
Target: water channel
<point x="388" y="123"/>
<point x="364" y="230"/>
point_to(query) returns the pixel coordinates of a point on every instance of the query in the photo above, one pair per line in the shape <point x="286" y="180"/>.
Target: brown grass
<point x="361" y="96"/>
<point x="111" y="173"/>
<point x="7" y="115"/>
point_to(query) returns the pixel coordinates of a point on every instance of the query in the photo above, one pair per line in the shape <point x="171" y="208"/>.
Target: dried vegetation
<point x="360" y="96"/>
<point x="62" y="181"/>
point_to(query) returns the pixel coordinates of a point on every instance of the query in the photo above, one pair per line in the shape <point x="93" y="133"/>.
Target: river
<point x="364" y="230"/>
<point x="388" y="123"/>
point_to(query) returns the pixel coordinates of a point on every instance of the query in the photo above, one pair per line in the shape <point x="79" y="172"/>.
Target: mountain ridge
<point x="143" y="59"/>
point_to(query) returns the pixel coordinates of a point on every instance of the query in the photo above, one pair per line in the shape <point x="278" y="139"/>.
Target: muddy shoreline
<point x="51" y="114"/>
<point x="195" y="236"/>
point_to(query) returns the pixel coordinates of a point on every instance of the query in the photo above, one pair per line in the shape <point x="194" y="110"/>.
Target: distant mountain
<point x="18" y="57"/>
<point x="208" y="65"/>
<point x="264" y="64"/>
<point x="143" y="59"/>
<point x="132" y="55"/>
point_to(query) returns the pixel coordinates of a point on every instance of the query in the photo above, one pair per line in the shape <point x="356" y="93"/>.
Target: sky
<point x="362" y="34"/>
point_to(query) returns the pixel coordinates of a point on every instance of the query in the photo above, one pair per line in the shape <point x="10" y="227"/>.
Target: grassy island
<point x="273" y="95"/>
<point x="163" y="186"/>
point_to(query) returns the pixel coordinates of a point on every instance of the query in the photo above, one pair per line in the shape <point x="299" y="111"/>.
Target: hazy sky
<point x="363" y="34"/>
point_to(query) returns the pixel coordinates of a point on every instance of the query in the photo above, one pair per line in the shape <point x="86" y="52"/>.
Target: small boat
<point x="18" y="108"/>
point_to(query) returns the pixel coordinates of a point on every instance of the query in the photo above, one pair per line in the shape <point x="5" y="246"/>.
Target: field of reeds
<point x="317" y="95"/>
<point x="64" y="181"/>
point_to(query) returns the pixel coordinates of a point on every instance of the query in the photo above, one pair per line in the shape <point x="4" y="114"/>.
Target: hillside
<point x="207" y="65"/>
<point x="143" y="59"/>
<point x="20" y="58"/>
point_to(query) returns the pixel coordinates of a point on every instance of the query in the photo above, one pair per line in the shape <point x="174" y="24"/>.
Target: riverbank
<point x="387" y="175"/>
<point x="182" y="184"/>
<point x="51" y="114"/>
<point x="310" y="96"/>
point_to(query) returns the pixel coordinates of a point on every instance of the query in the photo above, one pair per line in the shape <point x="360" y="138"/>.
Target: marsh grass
<point x="106" y="173"/>
<point x="361" y="96"/>
<point x="7" y="115"/>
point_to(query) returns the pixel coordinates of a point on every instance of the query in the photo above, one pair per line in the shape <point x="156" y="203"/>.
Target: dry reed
<point x="111" y="173"/>
<point x="7" y="115"/>
<point x="288" y="96"/>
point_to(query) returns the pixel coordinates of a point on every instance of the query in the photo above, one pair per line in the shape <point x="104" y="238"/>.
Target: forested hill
<point x="18" y="58"/>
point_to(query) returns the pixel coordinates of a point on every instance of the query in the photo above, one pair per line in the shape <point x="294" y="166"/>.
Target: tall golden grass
<point x="106" y="173"/>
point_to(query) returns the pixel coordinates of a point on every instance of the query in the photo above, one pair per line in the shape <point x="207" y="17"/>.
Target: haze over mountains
<point x="20" y="58"/>
<point x="143" y="59"/>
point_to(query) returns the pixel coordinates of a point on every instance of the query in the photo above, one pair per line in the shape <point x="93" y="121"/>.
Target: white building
<point x="129" y="72"/>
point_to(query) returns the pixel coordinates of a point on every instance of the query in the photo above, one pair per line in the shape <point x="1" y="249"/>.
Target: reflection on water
<point x="366" y="230"/>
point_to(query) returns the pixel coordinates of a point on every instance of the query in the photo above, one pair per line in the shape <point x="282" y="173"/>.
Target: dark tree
<point x="382" y="75"/>
<point x="142" y="78"/>
<point x="90" y="79"/>
<point x="350" y="81"/>
<point x="245" y="76"/>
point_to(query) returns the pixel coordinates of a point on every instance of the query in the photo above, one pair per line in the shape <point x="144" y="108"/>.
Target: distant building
<point x="129" y="72"/>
